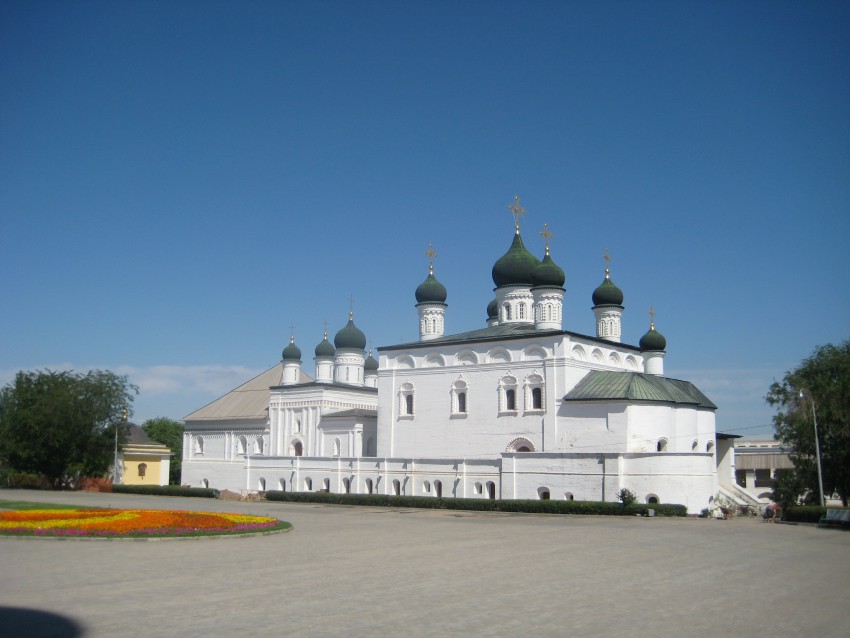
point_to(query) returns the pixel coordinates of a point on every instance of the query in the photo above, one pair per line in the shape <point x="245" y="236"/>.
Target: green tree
<point x="170" y="433"/>
<point x="825" y="378"/>
<point x="62" y="425"/>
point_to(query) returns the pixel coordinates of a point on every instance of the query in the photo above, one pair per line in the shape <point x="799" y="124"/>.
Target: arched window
<point x="459" y="392"/>
<point x="297" y="428"/>
<point x="534" y="393"/>
<point x="651" y="499"/>
<point x="308" y="484"/>
<point x="438" y="489"/>
<point x="282" y="485"/>
<point x="543" y="493"/>
<point x="258" y="445"/>
<point x="520" y="444"/>
<point x="346" y="485"/>
<point x="326" y="485"/>
<point x="198" y="445"/>
<point x="368" y="486"/>
<point x="396" y="488"/>
<point x="491" y="490"/>
<point x="507" y="395"/>
<point x="694" y="445"/>
<point x="521" y="311"/>
<point x="261" y="485"/>
<point x="296" y="449"/>
<point x="709" y="447"/>
<point x="569" y="496"/>
<point x="479" y="489"/>
<point x="426" y="487"/>
<point x="143" y="468"/>
<point x="662" y="445"/>
<point x="336" y="447"/>
<point x="406" y="399"/>
<point x="205" y="483"/>
<point x="507" y="311"/>
<point x="242" y="445"/>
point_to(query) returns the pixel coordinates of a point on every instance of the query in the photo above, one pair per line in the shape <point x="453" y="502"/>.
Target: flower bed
<point x="113" y="523"/>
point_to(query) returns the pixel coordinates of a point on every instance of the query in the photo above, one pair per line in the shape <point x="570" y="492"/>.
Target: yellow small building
<point x="142" y="461"/>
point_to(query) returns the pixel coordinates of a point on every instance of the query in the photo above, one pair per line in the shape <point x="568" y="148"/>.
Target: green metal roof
<point x="601" y="385"/>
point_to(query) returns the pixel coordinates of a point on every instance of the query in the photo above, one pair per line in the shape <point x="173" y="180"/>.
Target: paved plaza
<point x="353" y="571"/>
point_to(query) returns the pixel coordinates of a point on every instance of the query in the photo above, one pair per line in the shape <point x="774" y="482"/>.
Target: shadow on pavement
<point x="32" y="623"/>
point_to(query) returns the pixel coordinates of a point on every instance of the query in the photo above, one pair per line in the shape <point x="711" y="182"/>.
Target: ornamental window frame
<point x="406" y="401"/>
<point x="535" y="388"/>
<point x="460" y="398"/>
<point x="507" y="395"/>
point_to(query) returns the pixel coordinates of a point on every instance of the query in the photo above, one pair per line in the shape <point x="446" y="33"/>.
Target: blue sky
<point x="182" y="182"/>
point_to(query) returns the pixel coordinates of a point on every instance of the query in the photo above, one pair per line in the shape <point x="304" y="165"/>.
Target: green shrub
<point x="803" y="513"/>
<point x="626" y="496"/>
<point x="25" y="481"/>
<point x="479" y="504"/>
<point x="166" y="490"/>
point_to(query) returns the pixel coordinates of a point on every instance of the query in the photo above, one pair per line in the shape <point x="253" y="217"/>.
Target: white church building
<point x="517" y="409"/>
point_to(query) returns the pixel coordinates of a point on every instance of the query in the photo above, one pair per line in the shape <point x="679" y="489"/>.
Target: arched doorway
<point x="296" y="449"/>
<point x="491" y="490"/>
<point x="438" y="489"/>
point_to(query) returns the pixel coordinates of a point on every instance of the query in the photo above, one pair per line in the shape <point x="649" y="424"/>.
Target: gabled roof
<point x="605" y="385"/>
<point x="249" y="401"/>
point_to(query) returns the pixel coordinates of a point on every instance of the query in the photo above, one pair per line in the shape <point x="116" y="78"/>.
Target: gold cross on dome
<point x="292" y="331"/>
<point x="546" y="234"/>
<point x="351" y="306"/>
<point x="651" y="318"/>
<point x="431" y="254"/>
<point x="517" y="210"/>
<point x="607" y="258"/>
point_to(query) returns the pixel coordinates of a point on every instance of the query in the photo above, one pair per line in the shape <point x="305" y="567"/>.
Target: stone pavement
<point x="350" y="571"/>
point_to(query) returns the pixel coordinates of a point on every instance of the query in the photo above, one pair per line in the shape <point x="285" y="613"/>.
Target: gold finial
<point x="607" y="264"/>
<point x="517" y="210"/>
<point x="431" y="255"/>
<point x="651" y="318"/>
<point x="292" y="333"/>
<point x="350" y="307"/>
<point x="326" y="328"/>
<point x="546" y="235"/>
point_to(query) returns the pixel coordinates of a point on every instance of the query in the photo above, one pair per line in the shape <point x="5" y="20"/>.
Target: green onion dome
<point x="493" y="310"/>
<point x="607" y="294"/>
<point x="431" y="290"/>
<point x="350" y="336"/>
<point x="548" y="273"/>
<point x="653" y="340"/>
<point x="515" y="266"/>
<point x="292" y="352"/>
<point x="371" y="364"/>
<point x="325" y="349"/>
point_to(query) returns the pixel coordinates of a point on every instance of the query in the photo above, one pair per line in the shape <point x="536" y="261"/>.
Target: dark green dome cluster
<point x="325" y="349"/>
<point x="607" y="294"/>
<point x="431" y="291"/>
<point x="371" y="364"/>
<point x="350" y="336"/>
<point x="653" y="340"/>
<point x="493" y="310"/>
<point x="516" y="266"/>
<point x="291" y="352"/>
<point x="548" y="274"/>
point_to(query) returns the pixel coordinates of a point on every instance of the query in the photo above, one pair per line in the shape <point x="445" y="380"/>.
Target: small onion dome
<point x="371" y="364"/>
<point x="515" y="266"/>
<point x="292" y="352"/>
<point x="325" y="349"/>
<point x="653" y="340"/>
<point x="350" y="336"/>
<point x="431" y="291"/>
<point x="493" y="310"/>
<point x="607" y="294"/>
<point x="548" y="273"/>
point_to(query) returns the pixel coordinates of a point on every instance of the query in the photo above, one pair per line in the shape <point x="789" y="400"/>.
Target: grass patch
<point x="29" y="505"/>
